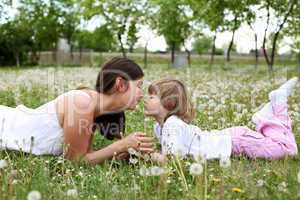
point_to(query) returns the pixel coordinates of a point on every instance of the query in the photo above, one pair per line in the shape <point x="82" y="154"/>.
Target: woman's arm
<point x="77" y="126"/>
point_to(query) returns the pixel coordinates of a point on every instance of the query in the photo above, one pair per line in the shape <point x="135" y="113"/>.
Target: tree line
<point x="39" y="24"/>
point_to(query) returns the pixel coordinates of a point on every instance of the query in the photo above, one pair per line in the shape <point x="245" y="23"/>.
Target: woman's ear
<point x="121" y="85"/>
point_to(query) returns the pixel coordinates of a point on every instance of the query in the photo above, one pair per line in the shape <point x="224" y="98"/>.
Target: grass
<point x="223" y="98"/>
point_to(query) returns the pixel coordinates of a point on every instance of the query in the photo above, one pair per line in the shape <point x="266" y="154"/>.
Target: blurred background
<point x="173" y="32"/>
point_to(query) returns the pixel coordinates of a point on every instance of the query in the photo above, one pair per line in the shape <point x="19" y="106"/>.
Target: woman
<point x="66" y="124"/>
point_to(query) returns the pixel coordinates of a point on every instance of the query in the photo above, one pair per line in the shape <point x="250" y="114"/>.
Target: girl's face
<point x="133" y="94"/>
<point x="153" y="106"/>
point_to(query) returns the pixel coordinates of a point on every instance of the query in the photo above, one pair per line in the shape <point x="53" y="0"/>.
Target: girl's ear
<point x="121" y="85"/>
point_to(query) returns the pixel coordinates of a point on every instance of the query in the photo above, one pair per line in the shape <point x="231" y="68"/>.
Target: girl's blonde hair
<point x="174" y="98"/>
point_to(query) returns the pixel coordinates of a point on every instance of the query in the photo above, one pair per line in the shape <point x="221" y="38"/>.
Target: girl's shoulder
<point x="174" y="121"/>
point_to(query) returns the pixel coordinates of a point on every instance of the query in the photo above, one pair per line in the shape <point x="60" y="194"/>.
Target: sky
<point x="244" y="38"/>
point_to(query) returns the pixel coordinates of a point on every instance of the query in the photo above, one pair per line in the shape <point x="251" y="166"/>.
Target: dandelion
<point x="298" y="177"/>
<point x="156" y="171"/>
<point x="146" y="157"/>
<point x="237" y="190"/>
<point x="282" y="187"/>
<point x="225" y="162"/>
<point x="72" y="193"/>
<point x="260" y="183"/>
<point x="3" y="164"/>
<point x="34" y="195"/>
<point x="196" y="169"/>
<point x="133" y="161"/>
<point x="144" y="171"/>
<point x="132" y="151"/>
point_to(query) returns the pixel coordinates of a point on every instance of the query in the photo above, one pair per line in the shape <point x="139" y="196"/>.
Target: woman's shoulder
<point x="83" y="92"/>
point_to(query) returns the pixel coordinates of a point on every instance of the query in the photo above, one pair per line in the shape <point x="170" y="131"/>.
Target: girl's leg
<point x="273" y="137"/>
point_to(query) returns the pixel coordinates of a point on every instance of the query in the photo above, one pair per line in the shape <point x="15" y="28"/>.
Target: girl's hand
<point x="139" y="141"/>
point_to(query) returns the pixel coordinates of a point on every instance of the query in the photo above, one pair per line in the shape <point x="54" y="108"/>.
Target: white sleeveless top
<point x="35" y="131"/>
<point x="179" y="138"/>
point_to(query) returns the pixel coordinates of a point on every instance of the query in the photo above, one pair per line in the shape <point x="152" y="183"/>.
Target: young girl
<point x="169" y="104"/>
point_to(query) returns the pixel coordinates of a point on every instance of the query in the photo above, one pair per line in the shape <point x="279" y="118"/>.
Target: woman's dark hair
<point x="112" y="124"/>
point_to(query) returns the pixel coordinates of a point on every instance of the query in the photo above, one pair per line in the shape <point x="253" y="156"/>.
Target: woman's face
<point x="133" y="95"/>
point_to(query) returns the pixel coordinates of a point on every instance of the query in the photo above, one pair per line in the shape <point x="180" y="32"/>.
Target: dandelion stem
<point x="180" y="173"/>
<point x="205" y="180"/>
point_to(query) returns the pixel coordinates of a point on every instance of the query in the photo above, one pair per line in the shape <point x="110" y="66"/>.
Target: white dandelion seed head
<point x="133" y="161"/>
<point x="115" y="189"/>
<point x="72" y="193"/>
<point x="144" y="171"/>
<point x="3" y="164"/>
<point x="260" y="183"/>
<point x="196" y="169"/>
<point x="156" y="171"/>
<point x="34" y="195"/>
<point x="298" y="177"/>
<point x="225" y="162"/>
<point x="134" y="152"/>
<point x="282" y="187"/>
<point x="146" y="157"/>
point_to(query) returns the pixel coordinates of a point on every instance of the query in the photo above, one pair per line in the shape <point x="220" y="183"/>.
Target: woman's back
<point x="37" y="131"/>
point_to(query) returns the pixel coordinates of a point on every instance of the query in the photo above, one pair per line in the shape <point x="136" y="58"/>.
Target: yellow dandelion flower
<point x="238" y="190"/>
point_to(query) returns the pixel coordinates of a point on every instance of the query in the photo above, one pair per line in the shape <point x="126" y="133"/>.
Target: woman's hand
<point x="139" y="141"/>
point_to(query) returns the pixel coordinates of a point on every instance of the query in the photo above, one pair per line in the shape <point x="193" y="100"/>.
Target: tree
<point x="70" y="21"/>
<point x="83" y="40"/>
<point x="210" y="13"/>
<point x="132" y="37"/>
<point x="172" y="21"/>
<point x="293" y="30"/>
<point x="46" y="22"/>
<point x="103" y="39"/>
<point x="202" y="45"/>
<point x="15" y="37"/>
<point x="283" y="10"/>
<point x="237" y="12"/>
<point x="118" y="15"/>
<point x="250" y="19"/>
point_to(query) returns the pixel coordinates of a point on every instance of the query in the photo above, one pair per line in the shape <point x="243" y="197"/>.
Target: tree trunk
<point x="232" y="39"/>
<point x="189" y="57"/>
<point x="146" y="55"/>
<point x="230" y="47"/>
<point x="54" y="55"/>
<point x="80" y="54"/>
<point x="213" y="50"/>
<point x="131" y="49"/>
<point x="270" y="61"/>
<point x="273" y="51"/>
<point x="173" y="53"/>
<point x="34" y="57"/>
<point x="121" y="45"/>
<point x="17" y="57"/>
<point x="72" y="54"/>
<point x="256" y="51"/>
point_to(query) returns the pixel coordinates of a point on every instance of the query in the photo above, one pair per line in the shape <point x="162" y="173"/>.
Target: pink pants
<point x="273" y="138"/>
